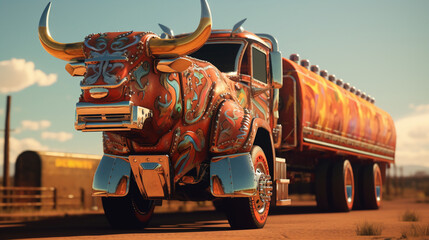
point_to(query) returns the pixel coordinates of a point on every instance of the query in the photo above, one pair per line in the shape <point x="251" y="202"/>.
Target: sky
<point x="381" y="47"/>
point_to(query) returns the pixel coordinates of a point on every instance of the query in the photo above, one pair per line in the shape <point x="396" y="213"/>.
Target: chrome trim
<point x="108" y="175"/>
<point x="85" y="87"/>
<point x="276" y="69"/>
<point x="121" y="116"/>
<point x="281" y="183"/>
<point x="275" y="59"/>
<point x="284" y="202"/>
<point x="273" y="40"/>
<point x="238" y="57"/>
<point x="238" y="27"/>
<point x="152" y="174"/>
<point x="168" y="31"/>
<point x="347" y="149"/>
<point x="233" y="176"/>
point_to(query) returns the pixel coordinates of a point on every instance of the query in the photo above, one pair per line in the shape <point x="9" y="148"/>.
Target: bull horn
<point x="185" y="45"/>
<point x="64" y="51"/>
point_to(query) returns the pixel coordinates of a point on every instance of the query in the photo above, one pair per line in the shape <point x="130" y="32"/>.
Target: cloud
<point x="33" y="125"/>
<point x="412" y="146"/>
<point x="17" y="74"/>
<point x="58" y="136"/>
<point x="17" y="146"/>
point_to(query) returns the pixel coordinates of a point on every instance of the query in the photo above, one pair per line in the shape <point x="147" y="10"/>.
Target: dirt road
<point x="295" y="222"/>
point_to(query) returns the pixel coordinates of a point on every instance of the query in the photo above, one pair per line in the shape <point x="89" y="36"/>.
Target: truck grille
<point x="122" y="116"/>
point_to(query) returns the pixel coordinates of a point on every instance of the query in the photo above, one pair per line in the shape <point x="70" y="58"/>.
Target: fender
<point x="231" y="128"/>
<point x="260" y="127"/>
<point x="112" y="177"/>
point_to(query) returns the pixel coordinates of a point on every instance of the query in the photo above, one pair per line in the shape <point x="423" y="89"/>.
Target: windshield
<point x="221" y="55"/>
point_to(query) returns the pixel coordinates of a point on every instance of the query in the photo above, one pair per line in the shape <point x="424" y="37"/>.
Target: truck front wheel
<point x="129" y="212"/>
<point x="246" y="213"/>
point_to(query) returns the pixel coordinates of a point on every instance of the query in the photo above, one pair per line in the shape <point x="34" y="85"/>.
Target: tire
<point x="342" y="184"/>
<point x="219" y="205"/>
<point x="321" y="186"/>
<point x="372" y="186"/>
<point x="250" y="213"/>
<point x="357" y="175"/>
<point x="129" y="212"/>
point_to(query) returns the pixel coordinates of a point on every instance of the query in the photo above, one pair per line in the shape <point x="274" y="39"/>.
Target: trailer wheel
<point x="247" y="213"/>
<point x="321" y="186"/>
<point x="219" y="205"/>
<point x="129" y="212"/>
<point x="357" y="177"/>
<point x="372" y="186"/>
<point x="342" y="186"/>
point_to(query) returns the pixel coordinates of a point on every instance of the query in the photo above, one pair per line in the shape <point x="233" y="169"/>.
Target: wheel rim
<point x="348" y="184"/>
<point x="261" y="201"/>
<point x="377" y="184"/>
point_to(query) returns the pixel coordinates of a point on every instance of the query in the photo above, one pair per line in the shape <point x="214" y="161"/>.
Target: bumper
<point x="121" y="116"/>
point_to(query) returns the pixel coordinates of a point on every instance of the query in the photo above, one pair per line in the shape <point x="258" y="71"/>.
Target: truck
<point x="220" y="115"/>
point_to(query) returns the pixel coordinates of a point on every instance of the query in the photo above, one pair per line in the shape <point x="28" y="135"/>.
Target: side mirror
<point x="276" y="67"/>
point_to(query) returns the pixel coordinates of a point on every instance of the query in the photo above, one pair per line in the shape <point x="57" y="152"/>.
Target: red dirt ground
<point x="302" y="220"/>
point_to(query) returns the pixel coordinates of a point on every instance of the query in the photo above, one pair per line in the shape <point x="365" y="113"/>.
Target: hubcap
<point x="264" y="191"/>
<point x="348" y="180"/>
<point x="377" y="183"/>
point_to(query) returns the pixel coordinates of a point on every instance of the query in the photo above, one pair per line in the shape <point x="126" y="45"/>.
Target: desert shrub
<point x="369" y="229"/>
<point x="410" y="216"/>
<point x="415" y="230"/>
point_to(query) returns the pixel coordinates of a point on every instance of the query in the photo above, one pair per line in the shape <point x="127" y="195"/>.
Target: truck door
<point x="260" y="83"/>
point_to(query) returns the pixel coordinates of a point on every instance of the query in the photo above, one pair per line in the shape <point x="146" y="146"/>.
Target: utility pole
<point x="6" y="145"/>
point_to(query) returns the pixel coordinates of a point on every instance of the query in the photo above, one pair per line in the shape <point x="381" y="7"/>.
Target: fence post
<point x="82" y="198"/>
<point x="55" y="198"/>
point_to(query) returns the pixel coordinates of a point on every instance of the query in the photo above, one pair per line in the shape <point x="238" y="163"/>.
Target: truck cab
<point x="254" y="64"/>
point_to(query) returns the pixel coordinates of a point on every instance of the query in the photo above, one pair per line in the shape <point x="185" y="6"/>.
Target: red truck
<point x="221" y="115"/>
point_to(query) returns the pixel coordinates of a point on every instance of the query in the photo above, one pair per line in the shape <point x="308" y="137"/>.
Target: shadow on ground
<point x="97" y="225"/>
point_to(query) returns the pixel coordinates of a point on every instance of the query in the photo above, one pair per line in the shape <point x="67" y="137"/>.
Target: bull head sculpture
<point x="129" y="67"/>
<point x="143" y="92"/>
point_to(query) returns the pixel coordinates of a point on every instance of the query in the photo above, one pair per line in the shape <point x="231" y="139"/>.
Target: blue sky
<point x="381" y="47"/>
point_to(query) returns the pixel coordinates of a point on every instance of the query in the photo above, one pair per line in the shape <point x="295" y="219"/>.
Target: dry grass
<point x="410" y="216"/>
<point x="415" y="230"/>
<point x="369" y="229"/>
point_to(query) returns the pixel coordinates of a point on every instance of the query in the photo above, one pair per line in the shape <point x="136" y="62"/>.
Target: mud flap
<point x="112" y="178"/>
<point x="233" y="176"/>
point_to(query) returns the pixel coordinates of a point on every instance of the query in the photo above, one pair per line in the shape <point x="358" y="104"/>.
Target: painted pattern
<point x="334" y="115"/>
<point x="232" y="128"/>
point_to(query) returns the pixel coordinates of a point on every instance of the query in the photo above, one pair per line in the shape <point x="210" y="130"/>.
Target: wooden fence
<point x="47" y="197"/>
